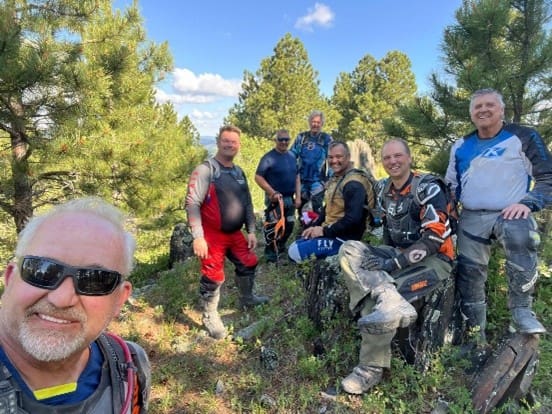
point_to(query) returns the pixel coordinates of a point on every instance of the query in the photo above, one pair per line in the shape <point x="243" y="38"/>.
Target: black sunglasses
<point x="283" y="139"/>
<point x="46" y="273"/>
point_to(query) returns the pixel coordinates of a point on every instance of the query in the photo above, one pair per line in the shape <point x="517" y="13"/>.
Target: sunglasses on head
<point x="283" y="139"/>
<point x="46" y="273"/>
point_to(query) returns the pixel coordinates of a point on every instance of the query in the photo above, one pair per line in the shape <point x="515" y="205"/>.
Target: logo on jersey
<point x="397" y="208"/>
<point x="416" y="255"/>
<point x="495" y="152"/>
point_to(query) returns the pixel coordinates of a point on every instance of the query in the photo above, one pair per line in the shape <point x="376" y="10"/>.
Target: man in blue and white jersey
<point x="500" y="173"/>
<point x="311" y="150"/>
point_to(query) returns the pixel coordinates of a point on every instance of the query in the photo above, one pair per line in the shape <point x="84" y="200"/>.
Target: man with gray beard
<point x="62" y="289"/>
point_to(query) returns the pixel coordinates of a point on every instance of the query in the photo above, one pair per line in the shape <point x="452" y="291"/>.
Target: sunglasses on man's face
<point x="284" y="139"/>
<point x="46" y="273"/>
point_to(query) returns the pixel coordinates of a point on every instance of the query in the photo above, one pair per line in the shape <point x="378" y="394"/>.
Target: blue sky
<point x="214" y="42"/>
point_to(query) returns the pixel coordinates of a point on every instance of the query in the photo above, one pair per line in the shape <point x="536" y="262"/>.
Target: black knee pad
<point x="206" y="285"/>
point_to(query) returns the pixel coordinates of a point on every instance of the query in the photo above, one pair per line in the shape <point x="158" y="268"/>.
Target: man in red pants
<point x="218" y="204"/>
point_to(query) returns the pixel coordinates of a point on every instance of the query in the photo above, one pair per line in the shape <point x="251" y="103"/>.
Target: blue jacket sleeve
<point x="540" y="196"/>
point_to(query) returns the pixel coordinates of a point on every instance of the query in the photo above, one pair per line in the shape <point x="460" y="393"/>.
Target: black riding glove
<point x="379" y="263"/>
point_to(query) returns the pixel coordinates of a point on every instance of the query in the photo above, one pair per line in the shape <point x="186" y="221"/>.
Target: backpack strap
<point x="386" y="186"/>
<point x="117" y="369"/>
<point x="213" y="168"/>
<point x="364" y="174"/>
<point x="339" y="185"/>
<point x="143" y="372"/>
<point x="322" y="139"/>
<point x="10" y="400"/>
<point x="128" y="364"/>
<point x="305" y="136"/>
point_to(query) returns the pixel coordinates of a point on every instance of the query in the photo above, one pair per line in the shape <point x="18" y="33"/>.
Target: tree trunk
<point x="22" y="184"/>
<point x="327" y="295"/>
<point x="181" y="244"/>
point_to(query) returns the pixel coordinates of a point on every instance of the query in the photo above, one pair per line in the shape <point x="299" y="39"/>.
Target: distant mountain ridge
<point x="209" y="142"/>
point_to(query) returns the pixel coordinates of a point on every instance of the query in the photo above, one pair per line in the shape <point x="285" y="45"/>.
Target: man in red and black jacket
<point x="218" y="204"/>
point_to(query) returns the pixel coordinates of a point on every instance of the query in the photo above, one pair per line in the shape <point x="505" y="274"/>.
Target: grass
<point x="193" y="373"/>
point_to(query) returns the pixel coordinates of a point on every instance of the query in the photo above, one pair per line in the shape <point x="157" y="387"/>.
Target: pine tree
<point x="281" y="94"/>
<point x="370" y="94"/>
<point x="77" y="109"/>
<point x="506" y="45"/>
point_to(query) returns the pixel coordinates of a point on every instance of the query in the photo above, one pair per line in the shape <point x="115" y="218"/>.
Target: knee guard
<point x="521" y="239"/>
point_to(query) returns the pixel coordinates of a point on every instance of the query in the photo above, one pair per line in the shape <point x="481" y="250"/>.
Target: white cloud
<point x="206" y="122"/>
<point x="203" y="114"/>
<point x="184" y="98"/>
<point x="187" y="87"/>
<point x="204" y="98"/>
<point x="187" y="83"/>
<point x="321" y="15"/>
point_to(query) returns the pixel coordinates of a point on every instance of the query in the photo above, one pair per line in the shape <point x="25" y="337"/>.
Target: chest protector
<point x="224" y="205"/>
<point x="402" y="216"/>
<point x="334" y="201"/>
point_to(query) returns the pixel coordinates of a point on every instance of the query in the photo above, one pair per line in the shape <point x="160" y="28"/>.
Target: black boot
<point x="270" y="254"/>
<point x="247" y="297"/>
<point x="524" y="319"/>
<point x="474" y="348"/>
<point x="476" y="322"/>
